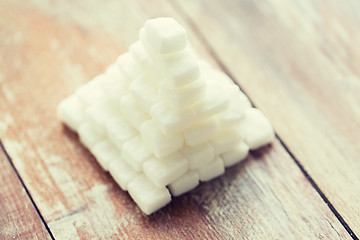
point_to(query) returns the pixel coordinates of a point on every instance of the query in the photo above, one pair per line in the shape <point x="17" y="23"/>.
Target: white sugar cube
<point x="256" y="129"/>
<point x="160" y="143"/>
<point x="154" y="72"/>
<point x="151" y="52"/>
<point x="162" y="171"/>
<point x="212" y="170"/>
<point x="235" y="155"/>
<point x="71" y="111"/>
<point x="139" y="54"/>
<point x="97" y="80"/>
<point x="221" y="77"/>
<point x="215" y="101"/>
<point x="237" y="97"/>
<point x="116" y="91"/>
<point x="165" y="35"/>
<point x="115" y="86"/>
<point x="89" y="136"/>
<point x="135" y="152"/>
<point x="122" y="173"/>
<point x="181" y="68"/>
<point x="105" y="152"/>
<point x="147" y="196"/>
<point x="90" y="93"/>
<point x="201" y="132"/>
<point x="185" y="96"/>
<point x="199" y="155"/>
<point x="178" y="68"/>
<point x="133" y="112"/>
<point x="119" y="131"/>
<point x="211" y="105"/>
<point x="171" y="121"/>
<point x="145" y="93"/>
<point x="100" y="113"/>
<point x="207" y="71"/>
<point x="226" y="139"/>
<point x="128" y="66"/>
<point x="241" y="102"/>
<point x="231" y="116"/>
<point x="184" y="183"/>
<point x="113" y="72"/>
<point x="238" y="105"/>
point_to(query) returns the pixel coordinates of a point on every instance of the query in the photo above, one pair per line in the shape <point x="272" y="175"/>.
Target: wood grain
<point x="49" y="49"/>
<point x="297" y="62"/>
<point x="18" y="217"/>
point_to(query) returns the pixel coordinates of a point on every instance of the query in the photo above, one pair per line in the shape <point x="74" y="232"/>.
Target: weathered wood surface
<point x="48" y="49"/>
<point x="302" y="59"/>
<point x="18" y="217"/>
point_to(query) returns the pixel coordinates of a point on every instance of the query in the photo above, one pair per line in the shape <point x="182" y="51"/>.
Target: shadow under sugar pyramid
<point x="161" y="120"/>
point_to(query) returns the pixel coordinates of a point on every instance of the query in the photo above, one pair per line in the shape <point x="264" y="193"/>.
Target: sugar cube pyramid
<point x="160" y="119"/>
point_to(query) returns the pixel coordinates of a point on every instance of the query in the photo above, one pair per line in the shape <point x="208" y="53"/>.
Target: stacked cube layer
<point x="160" y="120"/>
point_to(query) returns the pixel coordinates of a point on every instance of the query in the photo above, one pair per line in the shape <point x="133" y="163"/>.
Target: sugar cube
<point x="115" y="85"/>
<point x="100" y="113"/>
<point x="145" y="93"/>
<point x="105" y="152"/>
<point x="201" y="132"/>
<point x="221" y="77"/>
<point x="139" y="54"/>
<point x="113" y="72"/>
<point x="256" y="129"/>
<point x="162" y="171"/>
<point x="161" y="144"/>
<point x="147" y="196"/>
<point x="72" y="112"/>
<point x="214" y="102"/>
<point x="226" y="139"/>
<point x="122" y="173"/>
<point x="184" y="183"/>
<point x="231" y="116"/>
<point x="171" y="121"/>
<point x="235" y="155"/>
<point x="181" y="68"/>
<point x="199" y="155"/>
<point x="90" y="93"/>
<point x="135" y="152"/>
<point x="165" y="35"/>
<point x="89" y="135"/>
<point x="128" y="66"/>
<point x="185" y="96"/>
<point x="212" y="170"/>
<point x="132" y="112"/>
<point x="119" y="131"/>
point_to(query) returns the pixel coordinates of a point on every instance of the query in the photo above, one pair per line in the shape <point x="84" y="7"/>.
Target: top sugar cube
<point x="165" y="35"/>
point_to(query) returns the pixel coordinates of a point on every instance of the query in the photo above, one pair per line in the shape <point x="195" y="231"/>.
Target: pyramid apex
<point x="165" y="35"/>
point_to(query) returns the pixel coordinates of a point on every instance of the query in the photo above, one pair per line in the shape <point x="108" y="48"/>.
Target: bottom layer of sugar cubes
<point x="161" y="121"/>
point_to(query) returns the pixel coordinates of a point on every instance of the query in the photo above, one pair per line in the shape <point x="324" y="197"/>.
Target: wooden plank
<point x="49" y="51"/>
<point x="296" y="59"/>
<point x="18" y="217"/>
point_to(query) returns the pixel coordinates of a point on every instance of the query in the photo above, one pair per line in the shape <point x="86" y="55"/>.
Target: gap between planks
<point x="212" y="52"/>
<point x="2" y="147"/>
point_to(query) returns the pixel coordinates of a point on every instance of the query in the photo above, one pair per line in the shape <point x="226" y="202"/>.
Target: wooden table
<point x="298" y="61"/>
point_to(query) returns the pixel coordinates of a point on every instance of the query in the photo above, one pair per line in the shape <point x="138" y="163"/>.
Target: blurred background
<point x="297" y="61"/>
